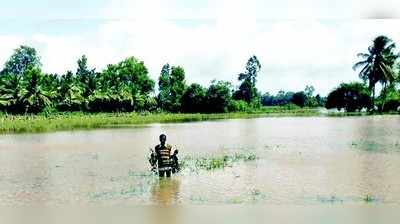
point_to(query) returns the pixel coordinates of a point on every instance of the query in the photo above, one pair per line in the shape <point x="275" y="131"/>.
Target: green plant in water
<point x="217" y="162"/>
<point x="369" y="198"/>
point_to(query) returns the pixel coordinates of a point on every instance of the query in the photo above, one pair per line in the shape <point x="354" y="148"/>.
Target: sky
<point x="299" y="43"/>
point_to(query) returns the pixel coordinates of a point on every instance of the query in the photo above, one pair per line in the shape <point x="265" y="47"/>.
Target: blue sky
<point x="299" y="43"/>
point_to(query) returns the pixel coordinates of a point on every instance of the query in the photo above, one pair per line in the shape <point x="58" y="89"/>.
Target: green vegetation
<point x="216" y="162"/>
<point x="369" y="198"/>
<point x="46" y="122"/>
<point x="304" y="98"/>
<point x="122" y="87"/>
<point x="378" y="65"/>
<point x="349" y="96"/>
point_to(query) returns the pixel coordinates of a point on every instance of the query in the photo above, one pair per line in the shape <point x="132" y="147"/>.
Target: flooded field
<point x="298" y="161"/>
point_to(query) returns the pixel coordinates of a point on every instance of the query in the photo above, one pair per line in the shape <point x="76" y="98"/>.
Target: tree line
<point x="126" y="86"/>
<point x="121" y="87"/>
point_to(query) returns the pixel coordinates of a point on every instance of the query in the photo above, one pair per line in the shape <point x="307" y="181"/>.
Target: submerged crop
<point x="216" y="162"/>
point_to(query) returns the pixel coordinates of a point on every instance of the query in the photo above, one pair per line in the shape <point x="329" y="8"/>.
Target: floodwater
<point x="301" y="161"/>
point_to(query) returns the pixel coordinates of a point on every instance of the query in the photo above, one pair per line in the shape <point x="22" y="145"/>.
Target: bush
<point x="299" y="99"/>
<point x="238" y="106"/>
<point x="350" y="96"/>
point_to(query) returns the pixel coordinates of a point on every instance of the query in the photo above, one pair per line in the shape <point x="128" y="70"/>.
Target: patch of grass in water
<point x="198" y="199"/>
<point x="367" y="145"/>
<point x="331" y="199"/>
<point x="369" y="198"/>
<point x="251" y="196"/>
<point x="256" y="195"/>
<point x="216" y="162"/>
<point x="133" y="173"/>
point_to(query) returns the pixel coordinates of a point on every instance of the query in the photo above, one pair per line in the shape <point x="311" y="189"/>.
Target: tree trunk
<point x="373" y="99"/>
<point x="383" y="97"/>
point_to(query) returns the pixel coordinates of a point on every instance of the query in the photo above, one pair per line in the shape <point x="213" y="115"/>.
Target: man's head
<point x="163" y="139"/>
<point x="176" y="152"/>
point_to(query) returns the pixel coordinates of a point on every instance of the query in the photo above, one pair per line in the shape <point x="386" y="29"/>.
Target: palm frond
<point x="359" y="64"/>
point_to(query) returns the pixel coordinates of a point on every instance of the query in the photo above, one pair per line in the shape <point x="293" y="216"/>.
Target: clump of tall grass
<point x="216" y="162"/>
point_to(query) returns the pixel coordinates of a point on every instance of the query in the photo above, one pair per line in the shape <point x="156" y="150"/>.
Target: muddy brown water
<point x="301" y="161"/>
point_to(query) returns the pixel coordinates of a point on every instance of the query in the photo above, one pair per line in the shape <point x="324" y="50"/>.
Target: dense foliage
<point x="301" y="99"/>
<point x="121" y="87"/>
<point x="349" y="96"/>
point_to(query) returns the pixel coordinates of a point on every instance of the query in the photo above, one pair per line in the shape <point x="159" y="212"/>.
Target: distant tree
<point x="377" y="64"/>
<point x="392" y="99"/>
<point x="35" y="96"/>
<point x="350" y="96"/>
<point x="219" y="95"/>
<point x="247" y="90"/>
<point x="178" y="86"/>
<point x="164" y="88"/>
<point x="309" y="91"/>
<point x="282" y="98"/>
<point x="267" y="99"/>
<point x="125" y="86"/>
<point x="299" y="99"/>
<point x="321" y="101"/>
<point x="69" y="93"/>
<point x="193" y="100"/>
<point x="171" y="87"/>
<point x="86" y="76"/>
<point x="23" y="58"/>
<point x="10" y="92"/>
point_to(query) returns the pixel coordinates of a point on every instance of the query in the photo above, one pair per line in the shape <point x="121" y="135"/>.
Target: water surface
<point x="301" y="161"/>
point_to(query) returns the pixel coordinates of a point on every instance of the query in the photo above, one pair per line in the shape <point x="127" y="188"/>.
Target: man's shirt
<point x="163" y="156"/>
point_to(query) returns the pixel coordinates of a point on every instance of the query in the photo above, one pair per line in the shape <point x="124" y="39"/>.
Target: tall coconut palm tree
<point x="10" y="91"/>
<point x="377" y="64"/>
<point x="35" y="97"/>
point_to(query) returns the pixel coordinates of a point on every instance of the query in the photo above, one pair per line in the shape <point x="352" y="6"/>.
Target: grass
<point x="80" y="120"/>
<point x="216" y="162"/>
<point x="369" y="198"/>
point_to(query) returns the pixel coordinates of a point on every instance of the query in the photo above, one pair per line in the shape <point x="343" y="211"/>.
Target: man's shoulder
<point x="168" y="146"/>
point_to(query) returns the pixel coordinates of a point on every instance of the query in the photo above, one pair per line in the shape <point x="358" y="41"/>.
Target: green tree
<point x="392" y="99"/>
<point x="193" y="99"/>
<point x="299" y="99"/>
<point x="219" y="96"/>
<point x="171" y="87"/>
<point x="350" y="96"/>
<point x="69" y="93"/>
<point x="23" y="58"/>
<point x="86" y="77"/>
<point x="35" y="96"/>
<point x="321" y="101"/>
<point x="178" y="86"/>
<point x="164" y="88"/>
<point x="125" y="86"/>
<point x="376" y="65"/>
<point x="10" y="92"/>
<point x="247" y="90"/>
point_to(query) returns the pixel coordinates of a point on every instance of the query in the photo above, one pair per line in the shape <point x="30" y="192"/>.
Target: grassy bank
<point x="71" y="121"/>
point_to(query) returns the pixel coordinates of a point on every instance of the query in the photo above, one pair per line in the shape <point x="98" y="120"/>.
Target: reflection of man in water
<point x="165" y="191"/>
<point x="163" y="155"/>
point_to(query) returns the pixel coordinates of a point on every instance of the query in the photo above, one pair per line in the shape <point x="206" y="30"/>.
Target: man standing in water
<point x="163" y="155"/>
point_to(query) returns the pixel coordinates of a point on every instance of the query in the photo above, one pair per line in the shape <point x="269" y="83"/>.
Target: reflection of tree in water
<point x="165" y="191"/>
